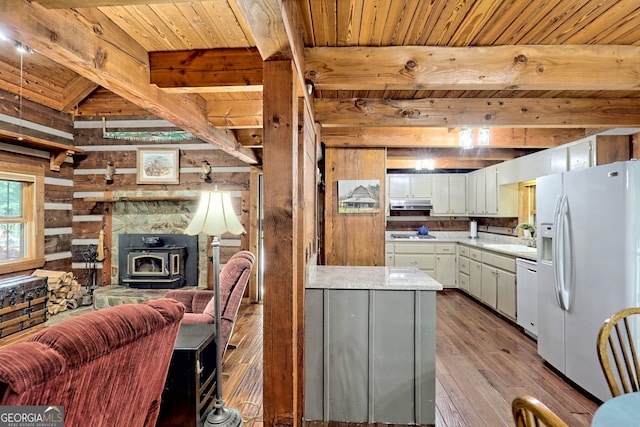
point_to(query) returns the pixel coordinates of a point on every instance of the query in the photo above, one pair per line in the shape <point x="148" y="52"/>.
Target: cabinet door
<point x="421" y="185"/>
<point x="580" y="155"/>
<point x="507" y="293"/>
<point x="481" y="188"/>
<point x="440" y="194"/>
<point x="491" y="190"/>
<point x="399" y="186"/>
<point x="457" y="194"/>
<point x="471" y="192"/>
<point x="489" y="286"/>
<point x="446" y="269"/>
<point x="463" y="281"/>
<point x="475" y="278"/>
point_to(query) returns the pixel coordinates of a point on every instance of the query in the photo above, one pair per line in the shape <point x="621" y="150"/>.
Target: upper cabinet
<point x="486" y="198"/>
<point x="410" y="186"/>
<point x="449" y="194"/>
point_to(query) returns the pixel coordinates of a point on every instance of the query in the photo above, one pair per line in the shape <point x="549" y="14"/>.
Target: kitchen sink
<point x="521" y="249"/>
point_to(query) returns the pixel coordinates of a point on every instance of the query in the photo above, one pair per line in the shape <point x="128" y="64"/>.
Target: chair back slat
<point x="618" y="353"/>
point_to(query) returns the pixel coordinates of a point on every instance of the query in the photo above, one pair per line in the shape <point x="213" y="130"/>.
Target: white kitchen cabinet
<point x="481" y="203"/>
<point x="389" y="253"/>
<point x="421" y="255"/>
<point x="463" y="268"/>
<point x="475" y="278"/>
<point x="471" y="192"/>
<point x="446" y="264"/>
<point x="581" y="155"/>
<point x="499" y="283"/>
<point x="449" y="194"/>
<point x="410" y="186"/>
<point x="491" y="190"/>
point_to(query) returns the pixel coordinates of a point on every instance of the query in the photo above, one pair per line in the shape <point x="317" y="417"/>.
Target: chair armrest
<point x="195" y="300"/>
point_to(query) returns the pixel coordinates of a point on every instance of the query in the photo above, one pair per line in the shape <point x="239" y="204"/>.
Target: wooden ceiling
<point x="403" y="74"/>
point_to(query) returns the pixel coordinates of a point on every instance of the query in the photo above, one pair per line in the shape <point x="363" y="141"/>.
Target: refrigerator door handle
<point x="567" y="255"/>
<point x="556" y="252"/>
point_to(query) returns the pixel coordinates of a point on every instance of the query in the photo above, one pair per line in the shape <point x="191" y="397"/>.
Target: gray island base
<point x="370" y="345"/>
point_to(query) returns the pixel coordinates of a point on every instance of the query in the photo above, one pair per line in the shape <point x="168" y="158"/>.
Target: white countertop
<point x="507" y="245"/>
<point x="362" y="277"/>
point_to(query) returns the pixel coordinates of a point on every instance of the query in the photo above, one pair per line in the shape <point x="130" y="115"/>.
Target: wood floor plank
<point x="483" y="361"/>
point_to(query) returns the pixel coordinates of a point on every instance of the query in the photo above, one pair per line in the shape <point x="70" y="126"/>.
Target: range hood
<point x="410" y="204"/>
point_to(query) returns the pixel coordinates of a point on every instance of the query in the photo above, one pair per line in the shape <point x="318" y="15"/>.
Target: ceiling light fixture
<point x="466" y="138"/>
<point x="484" y="136"/>
<point x="428" y="164"/>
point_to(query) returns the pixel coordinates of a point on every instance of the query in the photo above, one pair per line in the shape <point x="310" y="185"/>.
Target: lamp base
<point x="223" y="417"/>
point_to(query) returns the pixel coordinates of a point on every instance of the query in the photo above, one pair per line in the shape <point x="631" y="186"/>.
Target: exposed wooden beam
<point x="479" y="112"/>
<point x="393" y="163"/>
<point x="76" y="91"/>
<point x="576" y="67"/>
<point x="77" y="40"/>
<point x="235" y="114"/>
<point x="440" y="137"/>
<point x="476" y="153"/>
<point x="233" y="69"/>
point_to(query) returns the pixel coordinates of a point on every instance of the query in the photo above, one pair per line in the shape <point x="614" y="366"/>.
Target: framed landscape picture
<point x="358" y="196"/>
<point x="158" y="166"/>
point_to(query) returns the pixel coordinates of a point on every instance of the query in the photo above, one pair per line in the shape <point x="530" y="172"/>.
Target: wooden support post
<point x="281" y="244"/>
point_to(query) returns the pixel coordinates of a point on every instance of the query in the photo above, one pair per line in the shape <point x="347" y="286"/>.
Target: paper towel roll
<point x="473" y="229"/>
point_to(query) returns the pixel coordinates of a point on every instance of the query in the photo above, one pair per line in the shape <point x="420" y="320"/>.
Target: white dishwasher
<point x="527" y="295"/>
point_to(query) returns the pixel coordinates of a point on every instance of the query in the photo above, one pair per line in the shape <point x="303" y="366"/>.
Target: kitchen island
<point x="370" y="345"/>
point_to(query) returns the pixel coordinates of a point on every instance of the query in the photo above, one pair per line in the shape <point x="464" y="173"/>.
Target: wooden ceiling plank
<point x="73" y="39"/>
<point x="68" y="4"/>
<point x="490" y="112"/>
<point x="240" y="68"/>
<point x="575" y="67"/>
<point x="442" y="138"/>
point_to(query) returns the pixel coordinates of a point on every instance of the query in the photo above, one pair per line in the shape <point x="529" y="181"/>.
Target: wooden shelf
<point x="58" y="151"/>
<point x="112" y="199"/>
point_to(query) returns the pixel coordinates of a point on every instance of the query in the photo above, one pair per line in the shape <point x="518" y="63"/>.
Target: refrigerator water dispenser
<point x="546" y="234"/>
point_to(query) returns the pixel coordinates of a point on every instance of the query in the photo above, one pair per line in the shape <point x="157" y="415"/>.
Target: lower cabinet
<point x="491" y="278"/>
<point x="438" y="260"/>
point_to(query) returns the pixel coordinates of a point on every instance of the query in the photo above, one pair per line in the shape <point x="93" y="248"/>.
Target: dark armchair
<point x="200" y="304"/>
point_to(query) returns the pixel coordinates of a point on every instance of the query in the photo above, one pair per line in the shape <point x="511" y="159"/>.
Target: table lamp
<point x="214" y="217"/>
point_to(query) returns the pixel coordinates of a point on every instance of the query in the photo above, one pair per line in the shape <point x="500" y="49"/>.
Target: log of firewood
<point x="72" y="303"/>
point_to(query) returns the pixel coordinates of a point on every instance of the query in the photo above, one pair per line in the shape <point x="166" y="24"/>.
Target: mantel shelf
<point x="114" y="199"/>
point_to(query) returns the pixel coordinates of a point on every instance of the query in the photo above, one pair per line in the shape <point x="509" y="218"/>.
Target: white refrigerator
<point x="588" y="224"/>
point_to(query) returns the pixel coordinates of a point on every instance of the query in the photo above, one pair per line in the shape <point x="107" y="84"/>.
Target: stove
<point x="413" y="236"/>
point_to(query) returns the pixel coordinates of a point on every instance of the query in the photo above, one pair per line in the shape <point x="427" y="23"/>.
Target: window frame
<point x="33" y="203"/>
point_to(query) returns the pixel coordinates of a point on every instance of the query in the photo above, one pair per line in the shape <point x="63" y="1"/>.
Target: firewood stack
<point x="65" y="293"/>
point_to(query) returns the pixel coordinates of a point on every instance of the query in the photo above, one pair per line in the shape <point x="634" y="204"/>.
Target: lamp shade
<point x="215" y="215"/>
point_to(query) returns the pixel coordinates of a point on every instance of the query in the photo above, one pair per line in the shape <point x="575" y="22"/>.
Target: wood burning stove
<point x="165" y="261"/>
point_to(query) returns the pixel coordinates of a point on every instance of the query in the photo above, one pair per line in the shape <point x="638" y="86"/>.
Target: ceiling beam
<point x="480" y="112"/>
<point x="206" y="70"/>
<point x="476" y="153"/>
<point x="235" y="114"/>
<point x="440" y="137"/>
<point x="77" y="39"/>
<point x="76" y="91"/>
<point x="522" y="67"/>
<point x="441" y="163"/>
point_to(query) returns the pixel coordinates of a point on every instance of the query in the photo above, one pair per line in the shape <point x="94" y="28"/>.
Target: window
<point x="21" y="217"/>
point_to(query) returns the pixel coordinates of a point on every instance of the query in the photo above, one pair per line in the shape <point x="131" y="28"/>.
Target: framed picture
<point x="158" y="166"/>
<point x="358" y="196"/>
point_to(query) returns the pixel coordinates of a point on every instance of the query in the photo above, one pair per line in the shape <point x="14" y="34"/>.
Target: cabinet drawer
<point x="424" y="262"/>
<point x="463" y="265"/>
<point x="475" y="254"/>
<point x="463" y="281"/>
<point x="500" y="261"/>
<point x="415" y="248"/>
<point x="388" y="247"/>
<point x="445" y="248"/>
<point x="463" y="251"/>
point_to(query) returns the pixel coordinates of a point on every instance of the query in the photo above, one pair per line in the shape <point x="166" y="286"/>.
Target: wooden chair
<point x="616" y="344"/>
<point x="530" y="412"/>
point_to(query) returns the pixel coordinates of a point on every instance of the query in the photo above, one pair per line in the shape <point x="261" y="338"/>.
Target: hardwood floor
<point x="483" y="362"/>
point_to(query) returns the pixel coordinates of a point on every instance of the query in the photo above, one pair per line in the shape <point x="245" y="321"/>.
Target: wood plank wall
<point x="353" y="239"/>
<point x="58" y="187"/>
<point x="90" y="216"/>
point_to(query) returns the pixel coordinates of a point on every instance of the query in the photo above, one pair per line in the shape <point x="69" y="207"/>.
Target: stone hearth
<point x="107" y="296"/>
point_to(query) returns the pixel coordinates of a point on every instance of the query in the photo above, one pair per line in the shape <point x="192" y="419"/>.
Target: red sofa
<point x="106" y="368"/>
<point x="200" y="304"/>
